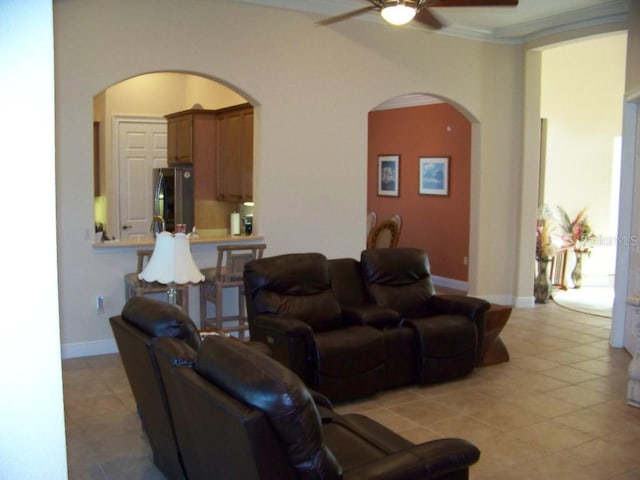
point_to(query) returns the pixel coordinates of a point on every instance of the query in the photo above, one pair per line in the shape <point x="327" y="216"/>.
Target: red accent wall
<point x="437" y="224"/>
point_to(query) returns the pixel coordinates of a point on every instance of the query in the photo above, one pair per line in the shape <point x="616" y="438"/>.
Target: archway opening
<point x="141" y="101"/>
<point x="425" y="134"/>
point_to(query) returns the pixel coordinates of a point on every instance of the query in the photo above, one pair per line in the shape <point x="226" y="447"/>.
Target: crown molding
<point x="615" y="11"/>
<point x="410" y="100"/>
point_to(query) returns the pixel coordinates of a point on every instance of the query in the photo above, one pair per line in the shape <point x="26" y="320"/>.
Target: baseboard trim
<point x="88" y="349"/>
<point x="449" y="283"/>
<point x="524" y="302"/>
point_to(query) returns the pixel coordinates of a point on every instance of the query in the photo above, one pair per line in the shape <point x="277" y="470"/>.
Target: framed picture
<point x="434" y="176"/>
<point x="389" y="175"/>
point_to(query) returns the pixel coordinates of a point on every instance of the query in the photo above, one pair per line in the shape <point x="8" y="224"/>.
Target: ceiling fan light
<point x="398" y="14"/>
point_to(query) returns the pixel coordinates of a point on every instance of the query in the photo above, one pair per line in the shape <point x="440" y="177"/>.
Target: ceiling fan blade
<point x="472" y="3"/>
<point x="344" y="16"/>
<point x="427" y="18"/>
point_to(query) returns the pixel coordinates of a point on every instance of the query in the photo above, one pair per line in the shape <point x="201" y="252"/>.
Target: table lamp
<point x="171" y="263"/>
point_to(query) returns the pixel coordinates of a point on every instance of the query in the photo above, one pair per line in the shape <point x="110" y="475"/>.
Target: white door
<point x="142" y="145"/>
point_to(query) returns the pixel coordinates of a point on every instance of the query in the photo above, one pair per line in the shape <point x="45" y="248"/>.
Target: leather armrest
<point x="370" y="314"/>
<point x="426" y="460"/>
<point x="471" y="307"/>
<point x="291" y="343"/>
<point x="288" y="326"/>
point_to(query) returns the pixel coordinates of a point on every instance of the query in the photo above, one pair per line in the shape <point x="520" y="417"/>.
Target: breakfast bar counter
<point x="201" y="239"/>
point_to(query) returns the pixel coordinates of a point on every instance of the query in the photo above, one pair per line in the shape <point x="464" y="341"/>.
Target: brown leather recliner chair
<point x="401" y="364"/>
<point x="141" y="320"/>
<point x="239" y="414"/>
<point x="449" y="328"/>
<point x="292" y="307"/>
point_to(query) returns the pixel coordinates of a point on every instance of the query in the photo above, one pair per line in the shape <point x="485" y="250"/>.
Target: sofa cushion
<point x="399" y="279"/>
<point x="268" y="386"/>
<point x="161" y="319"/>
<point x="295" y="285"/>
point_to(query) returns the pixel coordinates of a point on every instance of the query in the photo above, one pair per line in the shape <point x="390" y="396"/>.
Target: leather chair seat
<point x="401" y="364"/>
<point x="351" y="450"/>
<point x="243" y="415"/>
<point x="363" y="373"/>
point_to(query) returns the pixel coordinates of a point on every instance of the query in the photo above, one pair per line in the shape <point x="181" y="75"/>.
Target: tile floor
<point x="556" y="410"/>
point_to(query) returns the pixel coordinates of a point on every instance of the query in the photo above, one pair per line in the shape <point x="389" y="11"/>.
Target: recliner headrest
<point x="161" y="319"/>
<point x="291" y="274"/>
<point x="266" y="385"/>
<point x="394" y="266"/>
<point x="294" y="285"/>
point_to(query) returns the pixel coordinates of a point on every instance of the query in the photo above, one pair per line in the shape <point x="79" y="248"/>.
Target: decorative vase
<point x="576" y="274"/>
<point x="541" y="285"/>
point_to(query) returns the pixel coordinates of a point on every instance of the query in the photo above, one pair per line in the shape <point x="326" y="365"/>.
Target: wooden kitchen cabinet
<point x="234" y="154"/>
<point x="191" y="137"/>
<point x="191" y="142"/>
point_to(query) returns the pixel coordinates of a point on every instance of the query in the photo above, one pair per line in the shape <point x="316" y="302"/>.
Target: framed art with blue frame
<point x="434" y="176"/>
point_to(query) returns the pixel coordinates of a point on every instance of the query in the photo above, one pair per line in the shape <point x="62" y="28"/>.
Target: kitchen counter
<point x="204" y="239"/>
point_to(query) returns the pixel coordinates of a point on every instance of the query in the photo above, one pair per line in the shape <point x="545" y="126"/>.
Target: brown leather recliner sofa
<point x="239" y="414"/>
<point x="141" y="320"/>
<point x="351" y="328"/>
<point x="224" y="409"/>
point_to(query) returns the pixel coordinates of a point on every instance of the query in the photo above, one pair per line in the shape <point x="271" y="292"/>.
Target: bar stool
<point x="134" y="287"/>
<point x="227" y="274"/>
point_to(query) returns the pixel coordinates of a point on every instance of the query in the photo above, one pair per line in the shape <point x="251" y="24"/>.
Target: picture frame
<point x="434" y="176"/>
<point x="389" y="175"/>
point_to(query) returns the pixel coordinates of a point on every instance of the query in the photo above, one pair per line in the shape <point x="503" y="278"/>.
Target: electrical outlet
<point x="100" y="303"/>
<point x="465" y="260"/>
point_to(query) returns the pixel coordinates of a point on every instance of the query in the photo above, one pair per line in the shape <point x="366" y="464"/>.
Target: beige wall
<point x="312" y="88"/>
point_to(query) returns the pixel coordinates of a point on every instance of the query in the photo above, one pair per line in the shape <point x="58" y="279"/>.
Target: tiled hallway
<point x="556" y="410"/>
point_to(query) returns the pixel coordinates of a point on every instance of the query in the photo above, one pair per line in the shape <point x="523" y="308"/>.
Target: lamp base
<point x="172" y="294"/>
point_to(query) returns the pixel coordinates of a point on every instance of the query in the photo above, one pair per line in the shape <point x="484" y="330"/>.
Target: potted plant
<point x="579" y="236"/>
<point x="547" y="244"/>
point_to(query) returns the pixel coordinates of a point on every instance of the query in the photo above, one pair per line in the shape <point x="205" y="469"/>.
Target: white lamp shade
<point x="171" y="261"/>
<point x="399" y="14"/>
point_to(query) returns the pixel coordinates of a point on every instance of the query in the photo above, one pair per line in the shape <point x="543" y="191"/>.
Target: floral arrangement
<point x="578" y="232"/>
<point x="547" y="240"/>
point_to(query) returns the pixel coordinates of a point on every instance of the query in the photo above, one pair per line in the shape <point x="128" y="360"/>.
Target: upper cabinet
<point x="234" y="158"/>
<point x="219" y="146"/>
<point x="190" y="137"/>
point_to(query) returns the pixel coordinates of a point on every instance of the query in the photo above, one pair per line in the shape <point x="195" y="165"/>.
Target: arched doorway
<point x="421" y="130"/>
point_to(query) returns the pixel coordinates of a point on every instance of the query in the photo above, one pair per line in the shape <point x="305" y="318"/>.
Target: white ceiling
<point x="504" y="24"/>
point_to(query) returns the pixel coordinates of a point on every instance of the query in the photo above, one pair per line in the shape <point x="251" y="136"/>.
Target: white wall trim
<point x="449" y="283"/>
<point x="88" y="349"/>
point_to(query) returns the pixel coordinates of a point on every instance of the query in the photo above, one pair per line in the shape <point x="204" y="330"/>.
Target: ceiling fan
<point x="400" y="12"/>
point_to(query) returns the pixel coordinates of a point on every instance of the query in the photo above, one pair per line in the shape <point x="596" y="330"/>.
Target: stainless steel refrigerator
<point x="173" y="197"/>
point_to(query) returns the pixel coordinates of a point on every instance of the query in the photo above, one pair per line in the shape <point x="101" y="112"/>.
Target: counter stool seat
<point x="227" y="274"/>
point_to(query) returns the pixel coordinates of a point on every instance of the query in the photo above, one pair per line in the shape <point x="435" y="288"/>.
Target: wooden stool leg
<point x="219" y="311"/>
<point x="184" y="301"/>
<point x="203" y="304"/>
